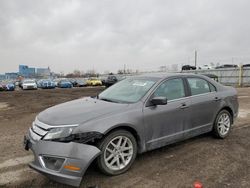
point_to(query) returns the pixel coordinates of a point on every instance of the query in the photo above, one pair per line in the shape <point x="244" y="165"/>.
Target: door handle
<point x="183" y="106"/>
<point x="217" y="99"/>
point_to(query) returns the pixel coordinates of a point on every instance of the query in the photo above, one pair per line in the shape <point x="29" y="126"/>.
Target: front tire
<point x="223" y="124"/>
<point x="119" y="150"/>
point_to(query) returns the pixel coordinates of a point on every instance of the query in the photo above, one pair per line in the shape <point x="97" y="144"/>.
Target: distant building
<point x="43" y="72"/>
<point x="2" y="77"/>
<point x="26" y="71"/>
<point x="11" y="75"/>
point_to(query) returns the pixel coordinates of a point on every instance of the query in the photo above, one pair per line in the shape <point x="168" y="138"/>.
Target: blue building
<point x="26" y="71"/>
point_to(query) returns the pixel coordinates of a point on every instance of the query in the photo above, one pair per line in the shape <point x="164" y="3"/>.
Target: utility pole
<point x="195" y="58"/>
<point x="124" y="69"/>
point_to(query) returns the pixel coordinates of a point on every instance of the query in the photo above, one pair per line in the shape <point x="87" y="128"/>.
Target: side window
<point x="172" y="89"/>
<point x="198" y="86"/>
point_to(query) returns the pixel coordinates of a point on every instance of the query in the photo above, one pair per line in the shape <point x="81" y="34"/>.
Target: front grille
<point x="33" y="135"/>
<point x="38" y="130"/>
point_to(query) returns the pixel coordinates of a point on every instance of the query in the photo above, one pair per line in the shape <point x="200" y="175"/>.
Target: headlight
<point x="57" y="133"/>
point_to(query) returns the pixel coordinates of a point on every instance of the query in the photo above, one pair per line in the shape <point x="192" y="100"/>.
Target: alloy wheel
<point x="224" y="124"/>
<point x="118" y="153"/>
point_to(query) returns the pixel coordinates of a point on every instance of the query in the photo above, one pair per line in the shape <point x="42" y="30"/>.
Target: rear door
<point x="204" y="106"/>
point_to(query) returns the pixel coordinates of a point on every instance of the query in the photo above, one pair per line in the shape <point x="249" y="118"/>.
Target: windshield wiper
<point x="108" y="100"/>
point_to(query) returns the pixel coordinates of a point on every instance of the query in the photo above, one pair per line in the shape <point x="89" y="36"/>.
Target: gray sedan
<point x="135" y="115"/>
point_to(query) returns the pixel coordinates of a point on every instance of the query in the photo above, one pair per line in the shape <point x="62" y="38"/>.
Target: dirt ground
<point x="214" y="162"/>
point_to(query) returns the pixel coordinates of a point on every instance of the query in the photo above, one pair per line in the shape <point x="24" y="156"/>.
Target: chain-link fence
<point x="229" y="76"/>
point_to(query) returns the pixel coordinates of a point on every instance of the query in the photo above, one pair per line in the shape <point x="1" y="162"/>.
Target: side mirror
<point x="159" y="101"/>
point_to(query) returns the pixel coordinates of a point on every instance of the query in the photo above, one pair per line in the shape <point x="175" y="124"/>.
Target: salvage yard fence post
<point x="240" y="75"/>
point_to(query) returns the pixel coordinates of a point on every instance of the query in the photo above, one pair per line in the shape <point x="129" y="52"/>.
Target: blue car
<point x="10" y="87"/>
<point x="7" y="86"/>
<point x="47" y="84"/>
<point x="39" y="83"/>
<point x="65" y="84"/>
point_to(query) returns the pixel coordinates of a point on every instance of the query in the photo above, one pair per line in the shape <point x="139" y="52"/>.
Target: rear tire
<point x="118" y="152"/>
<point x="222" y="124"/>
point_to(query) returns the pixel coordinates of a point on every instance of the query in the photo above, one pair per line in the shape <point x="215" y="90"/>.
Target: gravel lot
<point x="214" y="162"/>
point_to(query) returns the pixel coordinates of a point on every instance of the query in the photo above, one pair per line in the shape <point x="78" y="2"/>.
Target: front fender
<point x="132" y="119"/>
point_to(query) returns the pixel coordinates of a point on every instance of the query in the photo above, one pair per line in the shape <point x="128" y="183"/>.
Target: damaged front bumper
<point x="62" y="162"/>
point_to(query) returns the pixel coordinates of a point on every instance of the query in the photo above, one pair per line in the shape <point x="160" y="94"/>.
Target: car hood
<point x="29" y="84"/>
<point x="79" y="111"/>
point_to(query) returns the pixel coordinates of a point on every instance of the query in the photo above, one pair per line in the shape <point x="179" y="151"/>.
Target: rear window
<point x="198" y="86"/>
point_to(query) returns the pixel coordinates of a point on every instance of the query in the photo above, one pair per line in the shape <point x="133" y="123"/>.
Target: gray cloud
<point x="105" y="35"/>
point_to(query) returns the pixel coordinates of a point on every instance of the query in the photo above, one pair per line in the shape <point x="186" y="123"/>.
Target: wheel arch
<point x="130" y="129"/>
<point x="227" y="108"/>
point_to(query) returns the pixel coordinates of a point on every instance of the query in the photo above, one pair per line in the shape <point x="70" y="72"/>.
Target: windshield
<point x="29" y="82"/>
<point x="127" y="91"/>
<point x="65" y="82"/>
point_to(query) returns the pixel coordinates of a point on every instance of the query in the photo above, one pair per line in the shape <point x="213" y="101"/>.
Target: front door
<point x="165" y="123"/>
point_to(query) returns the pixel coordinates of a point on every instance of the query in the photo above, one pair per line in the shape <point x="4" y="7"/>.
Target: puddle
<point x="243" y="113"/>
<point x="16" y="161"/>
<point x="12" y="176"/>
<point x="3" y="105"/>
<point x="243" y="97"/>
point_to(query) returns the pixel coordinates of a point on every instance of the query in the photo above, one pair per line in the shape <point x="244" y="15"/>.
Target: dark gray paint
<point x="155" y="126"/>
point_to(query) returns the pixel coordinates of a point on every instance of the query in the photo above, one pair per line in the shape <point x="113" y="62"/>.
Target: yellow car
<point x="94" y="82"/>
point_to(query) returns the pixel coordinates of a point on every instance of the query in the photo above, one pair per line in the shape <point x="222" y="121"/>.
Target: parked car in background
<point x="48" y="84"/>
<point x="10" y="86"/>
<point x="206" y="67"/>
<point x="20" y="84"/>
<point x="39" y="83"/>
<point x="56" y="81"/>
<point x="188" y="67"/>
<point x="65" y="84"/>
<point x="73" y="81"/>
<point x="246" y="65"/>
<point x="17" y="83"/>
<point x="135" y="115"/>
<point x="2" y="87"/>
<point x="225" y="66"/>
<point x="103" y="79"/>
<point x="81" y="82"/>
<point x="94" y="82"/>
<point x="112" y="79"/>
<point x="29" y="84"/>
<point x="7" y="86"/>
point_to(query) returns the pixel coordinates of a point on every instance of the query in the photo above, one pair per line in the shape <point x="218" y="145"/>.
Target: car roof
<point x="164" y="75"/>
<point x="28" y="80"/>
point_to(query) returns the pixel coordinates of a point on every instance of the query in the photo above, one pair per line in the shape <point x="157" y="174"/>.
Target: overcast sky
<point x="105" y="35"/>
